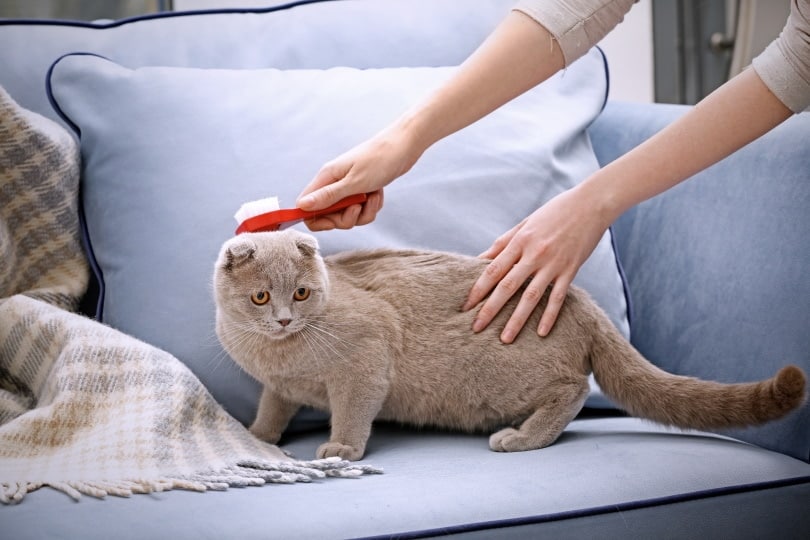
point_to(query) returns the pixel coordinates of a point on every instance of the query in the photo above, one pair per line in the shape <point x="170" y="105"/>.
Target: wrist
<point x="603" y="197"/>
<point x="414" y="132"/>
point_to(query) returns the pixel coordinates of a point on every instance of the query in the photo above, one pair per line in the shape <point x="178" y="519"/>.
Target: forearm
<point x="517" y="56"/>
<point x="735" y="114"/>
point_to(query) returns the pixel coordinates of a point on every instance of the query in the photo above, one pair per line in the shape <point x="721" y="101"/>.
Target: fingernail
<point x="305" y="201"/>
<point x="507" y="336"/>
<point x="543" y="331"/>
<point x="478" y="325"/>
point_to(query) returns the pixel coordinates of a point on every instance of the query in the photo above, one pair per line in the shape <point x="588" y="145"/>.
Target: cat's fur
<point x="381" y="336"/>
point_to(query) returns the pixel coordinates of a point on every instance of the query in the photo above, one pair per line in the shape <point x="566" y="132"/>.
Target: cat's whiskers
<point x="324" y="345"/>
<point x="241" y="336"/>
<point x="324" y="327"/>
<point x="234" y="330"/>
<point x="221" y="356"/>
<point x="329" y="344"/>
<point x="316" y="347"/>
<point x="219" y="359"/>
<point x="246" y="337"/>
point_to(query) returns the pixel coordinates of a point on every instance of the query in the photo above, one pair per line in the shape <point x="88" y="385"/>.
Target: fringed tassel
<point x="305" y="471"/>
<point x="13" y="492"/>
<point x="245" y="473"/>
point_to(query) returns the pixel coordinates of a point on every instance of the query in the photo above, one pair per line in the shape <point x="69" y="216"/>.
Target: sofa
<point x="181" y="116"/>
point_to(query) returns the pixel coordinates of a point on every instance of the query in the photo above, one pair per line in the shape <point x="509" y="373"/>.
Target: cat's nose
<point x="283" y="322"/>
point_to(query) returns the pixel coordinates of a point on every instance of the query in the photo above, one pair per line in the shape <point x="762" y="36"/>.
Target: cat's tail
<point x="646" y="391"/>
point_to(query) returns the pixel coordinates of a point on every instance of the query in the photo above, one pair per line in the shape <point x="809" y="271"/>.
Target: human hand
<point x="366" y="168"/>
<point x="546" y="248"/>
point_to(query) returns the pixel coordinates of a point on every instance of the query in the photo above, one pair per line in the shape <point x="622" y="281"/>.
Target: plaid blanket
<point x="85" y="408"/>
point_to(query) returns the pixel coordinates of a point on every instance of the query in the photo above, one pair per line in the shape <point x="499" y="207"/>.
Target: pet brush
<point x="266" y="215"/>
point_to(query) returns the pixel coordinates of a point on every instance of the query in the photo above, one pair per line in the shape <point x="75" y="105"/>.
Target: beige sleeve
<point x="577" y="25"/>
<point x="784" y="66"/>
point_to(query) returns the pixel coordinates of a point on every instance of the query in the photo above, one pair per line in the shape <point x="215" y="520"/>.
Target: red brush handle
<point x="272" y="221"/>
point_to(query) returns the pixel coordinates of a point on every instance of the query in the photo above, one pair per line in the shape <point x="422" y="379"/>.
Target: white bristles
<point x="254" y="208"/>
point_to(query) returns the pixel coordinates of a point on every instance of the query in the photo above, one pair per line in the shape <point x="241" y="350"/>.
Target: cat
<point x="379" y="334"/>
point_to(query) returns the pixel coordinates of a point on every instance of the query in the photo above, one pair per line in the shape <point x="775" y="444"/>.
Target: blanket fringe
<point x="245" y="473"/>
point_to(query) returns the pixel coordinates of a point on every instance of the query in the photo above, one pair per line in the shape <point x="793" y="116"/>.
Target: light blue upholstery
<point x="717" y="267"/>
<point x="714" y="270"/>
<point x="437" y="483"/>
<point x="321" y="35"/>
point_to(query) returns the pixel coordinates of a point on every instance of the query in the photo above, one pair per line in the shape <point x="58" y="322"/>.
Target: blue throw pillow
<point x="170" y="153"/>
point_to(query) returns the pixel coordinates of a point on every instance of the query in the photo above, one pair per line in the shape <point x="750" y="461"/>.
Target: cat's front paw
<point x="344" y="451"/>
<point x="510" y="440"/>
<point x="264" y="434"/>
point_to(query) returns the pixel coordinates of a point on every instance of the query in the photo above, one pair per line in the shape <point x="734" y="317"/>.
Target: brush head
<point x="254" y="208"/>
<point x="265" y="215"/>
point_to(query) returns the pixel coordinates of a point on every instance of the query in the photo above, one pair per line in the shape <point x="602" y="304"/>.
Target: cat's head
<point x="272" y="283"/>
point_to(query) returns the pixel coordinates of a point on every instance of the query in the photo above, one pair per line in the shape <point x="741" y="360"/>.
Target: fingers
<point x="530" y="298"/>
<point x="496" y="270"/>
<point x="555" y="302"/>
<point x="528" y="303"/>
<point x="502" y="277"/>
<point x="370" y="208"/>
<point x="512" y="269"/>
<point x="322" y="197"/>
<point x="328" y="186"/>
<point x="345" y="219"/>
<point x="488" y="279"/>
<point x="349" y="217"/>
<point x="503" y="291"/>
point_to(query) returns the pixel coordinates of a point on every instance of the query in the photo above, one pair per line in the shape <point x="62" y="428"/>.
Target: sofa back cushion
<point x="717" y="268"/>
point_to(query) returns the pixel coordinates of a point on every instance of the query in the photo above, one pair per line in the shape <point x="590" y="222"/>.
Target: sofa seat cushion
<point x="617" y="473"/>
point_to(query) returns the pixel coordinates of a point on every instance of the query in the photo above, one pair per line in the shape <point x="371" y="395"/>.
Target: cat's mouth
<point x="282" y="331"/>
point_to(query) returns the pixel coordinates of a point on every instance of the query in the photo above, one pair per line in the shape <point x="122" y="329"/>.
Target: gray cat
<point x="380" y="335"/>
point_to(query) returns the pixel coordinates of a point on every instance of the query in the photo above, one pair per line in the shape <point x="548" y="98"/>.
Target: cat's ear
<point x="307" y="245"/>
<point x="237" y="252"/>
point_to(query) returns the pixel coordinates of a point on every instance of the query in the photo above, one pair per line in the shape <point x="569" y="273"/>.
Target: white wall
<point x="629" y="48"/>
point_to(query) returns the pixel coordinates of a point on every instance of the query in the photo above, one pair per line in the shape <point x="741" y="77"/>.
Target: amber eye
<point x="260" y="298"/>
<point x="301" y="294"/>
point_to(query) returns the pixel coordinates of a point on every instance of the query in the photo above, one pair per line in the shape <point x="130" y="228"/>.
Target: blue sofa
<point x="715" y="285"/>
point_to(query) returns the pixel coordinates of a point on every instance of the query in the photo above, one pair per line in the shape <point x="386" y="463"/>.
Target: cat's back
<point x="424" y="277"/>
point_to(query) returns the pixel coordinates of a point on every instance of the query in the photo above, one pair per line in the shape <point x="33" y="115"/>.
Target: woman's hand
<point x="366" y="168"/>
<point x="547" y="248"/>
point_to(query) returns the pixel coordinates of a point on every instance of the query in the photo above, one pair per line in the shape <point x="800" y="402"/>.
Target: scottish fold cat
<point x="379" y="334"/>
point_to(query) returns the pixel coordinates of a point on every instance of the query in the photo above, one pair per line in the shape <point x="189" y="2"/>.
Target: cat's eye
<point x="260" y="298"/>
<point x="301" y="294"/>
